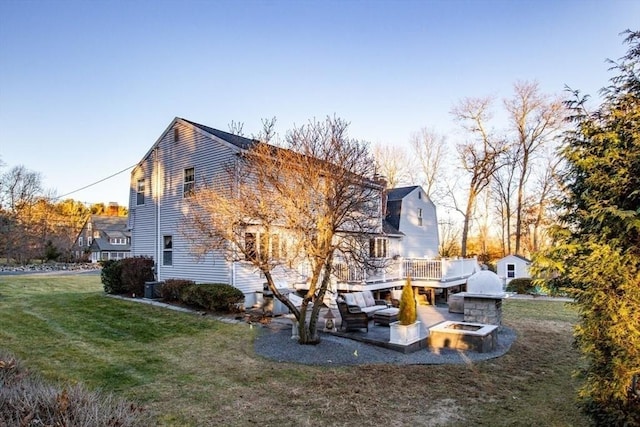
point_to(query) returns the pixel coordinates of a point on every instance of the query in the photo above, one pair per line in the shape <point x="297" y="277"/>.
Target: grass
<point x="193" y="370"/>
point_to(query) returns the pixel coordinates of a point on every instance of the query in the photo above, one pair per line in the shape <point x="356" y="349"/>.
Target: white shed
<point x="513" y="267"/>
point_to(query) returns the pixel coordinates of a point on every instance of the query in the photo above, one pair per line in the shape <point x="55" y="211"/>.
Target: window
<point x="419" y="194"/>
<point x="80" y="241"/>
<point x="96" y="234"/>
<point x="250" y="246"/>
<point x="511" y="271"/>
<point x="419" y="217"/>
<point x="275" y="246"/>
<point x="140" y="192"/>
<point x="378" y="248"/>
<point x="167" y="250"/>
<point x="189" y="181"/>
<point x="176" y="134"/>
<point x="89" y="240"/>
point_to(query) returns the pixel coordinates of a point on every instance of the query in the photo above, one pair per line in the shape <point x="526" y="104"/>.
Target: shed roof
<point x="520" y="257"/>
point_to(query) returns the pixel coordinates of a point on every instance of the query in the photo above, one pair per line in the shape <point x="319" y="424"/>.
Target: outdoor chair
<point x="352" y="317"/>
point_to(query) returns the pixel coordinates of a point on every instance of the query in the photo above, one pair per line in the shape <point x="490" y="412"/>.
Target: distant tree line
<point x="33" y="224"/>
<point x="498" y="179"/>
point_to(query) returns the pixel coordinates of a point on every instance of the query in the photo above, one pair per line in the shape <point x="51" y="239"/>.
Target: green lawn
<point x="192" y="370"/>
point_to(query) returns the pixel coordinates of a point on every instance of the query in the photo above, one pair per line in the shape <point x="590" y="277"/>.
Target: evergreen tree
<point x="598" y="248"/>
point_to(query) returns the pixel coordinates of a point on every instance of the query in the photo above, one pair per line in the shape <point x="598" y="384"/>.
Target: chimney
<point x="112" y="209"/>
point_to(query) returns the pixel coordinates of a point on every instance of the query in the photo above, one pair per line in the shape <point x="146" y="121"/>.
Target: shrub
<point x="135" y="272"/>
<point x="559" y="286"/>
<point x="171" y="289"/>
<point x="408" y="314"/>
<point x="522" y="285"/>
<point x="215" y="297"/>
<point x="111" y="277"/>
<point x="29" y="400"/>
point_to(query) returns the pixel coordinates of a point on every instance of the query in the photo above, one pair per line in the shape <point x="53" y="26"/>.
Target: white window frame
<point x="167" y="250"/>
<point x="189" y="181"/>
<point x="511" y="273"/>
<point x="140" y="190"/>
<point x="379" y="247"/>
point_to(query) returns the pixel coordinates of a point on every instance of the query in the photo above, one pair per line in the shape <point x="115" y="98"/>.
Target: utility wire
<point x="95" y="183"/>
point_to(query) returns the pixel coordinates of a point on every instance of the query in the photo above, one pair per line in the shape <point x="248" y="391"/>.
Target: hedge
<point x="214" y="297"/>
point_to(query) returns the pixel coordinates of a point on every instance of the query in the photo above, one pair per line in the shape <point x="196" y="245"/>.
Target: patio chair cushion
<point x="350" y="299"/>
<point x="360" y="299"/>
<point x="368" y="298"/>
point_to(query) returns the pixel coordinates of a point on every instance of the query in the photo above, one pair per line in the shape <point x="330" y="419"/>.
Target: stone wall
<point x="483" y="310"/>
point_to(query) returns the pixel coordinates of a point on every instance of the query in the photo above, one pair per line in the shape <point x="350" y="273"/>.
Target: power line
<point x="95" y="183"/>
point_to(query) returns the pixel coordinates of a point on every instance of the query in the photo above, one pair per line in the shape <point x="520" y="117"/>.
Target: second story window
<point x="189" y="182"/>
<point x="140" y="192"/>
<point x="419" y="217"/>
<point x="80" y="241"/>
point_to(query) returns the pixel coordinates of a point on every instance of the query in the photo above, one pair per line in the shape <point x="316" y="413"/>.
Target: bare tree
<point x="503" y="189"/>
<point x="538" y="213"/>
<point x="19" y="191"/>
<point x="310" y="202"/>
<point x="449" y="238"/>
<point x="479" y="156"/>
<point x="392" y="163"/>
<point x="535" y="119"/>
<point x="236" y="128"/>
<point x="430" y="151"/>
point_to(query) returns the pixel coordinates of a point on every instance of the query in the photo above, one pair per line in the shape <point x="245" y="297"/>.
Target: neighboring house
<point x="103" y="238"/>
<point x="513" y="267"/>
<point x="412" y="213"/>
<point x="187" y="151"/>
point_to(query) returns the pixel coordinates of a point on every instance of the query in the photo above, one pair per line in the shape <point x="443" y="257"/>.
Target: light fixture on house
<point x="329" y="322"/>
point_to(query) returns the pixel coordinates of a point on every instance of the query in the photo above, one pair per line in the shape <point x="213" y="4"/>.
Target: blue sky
<point x="86" y="87"/>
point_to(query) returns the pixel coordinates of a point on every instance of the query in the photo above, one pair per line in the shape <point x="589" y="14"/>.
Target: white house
<point x="187" y="151"/>
<point x="413" y="214"/>
<point x="513" y="267"/>
<point x="102" y="238"/>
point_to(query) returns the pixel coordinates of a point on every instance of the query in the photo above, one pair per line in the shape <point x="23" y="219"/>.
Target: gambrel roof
<point x="399" y="193"/>
<point x="394" y="204"/>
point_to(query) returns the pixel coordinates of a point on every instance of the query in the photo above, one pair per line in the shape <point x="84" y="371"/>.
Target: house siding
<point x="208" y="156"/>
<point x="419" y="240"/>
<point x="142" y="217"/>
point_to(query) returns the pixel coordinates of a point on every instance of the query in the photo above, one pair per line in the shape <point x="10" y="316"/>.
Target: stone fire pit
<point x="464" y="336"/>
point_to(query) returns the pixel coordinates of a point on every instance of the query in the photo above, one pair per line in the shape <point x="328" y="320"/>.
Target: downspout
<point x="157" y="201"/>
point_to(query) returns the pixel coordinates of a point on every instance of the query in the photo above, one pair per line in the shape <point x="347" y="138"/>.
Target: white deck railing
<point x="418" y="268"/>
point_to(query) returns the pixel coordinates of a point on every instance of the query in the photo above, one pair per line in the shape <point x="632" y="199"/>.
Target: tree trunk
<point x="467" y="220"/>
<point x="521" y="182"/>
